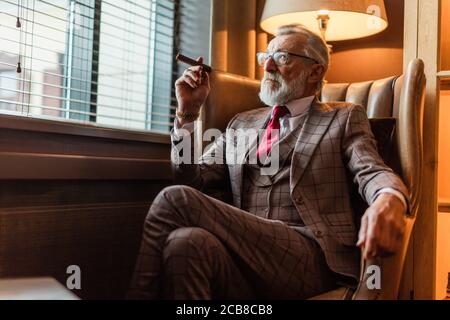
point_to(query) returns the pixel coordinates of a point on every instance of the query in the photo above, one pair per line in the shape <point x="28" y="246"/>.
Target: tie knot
<point x="280" y="111"/>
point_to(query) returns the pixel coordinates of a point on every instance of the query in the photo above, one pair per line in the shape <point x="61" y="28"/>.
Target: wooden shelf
<point x="444" y="207"/>
<point x="444" y="77"/>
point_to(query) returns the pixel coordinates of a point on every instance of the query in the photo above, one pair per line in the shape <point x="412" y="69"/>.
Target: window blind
<point x="108" y="63"/>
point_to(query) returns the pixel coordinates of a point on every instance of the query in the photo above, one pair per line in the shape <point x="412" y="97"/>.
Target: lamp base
<point x="323" y="18"/>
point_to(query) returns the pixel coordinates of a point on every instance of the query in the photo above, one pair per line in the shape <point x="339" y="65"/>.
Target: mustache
<point x="273" y="76"/>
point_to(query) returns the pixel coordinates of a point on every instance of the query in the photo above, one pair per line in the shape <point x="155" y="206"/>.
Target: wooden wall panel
<point x="374" y="57"/>
<point x="443" y="253"/>
<point x="94" y="219"/>
<point x="101" y="239"/>
<point x="444" y="147"/>
<point x="445" y="35"/>
<point x="45" y="226"/>
<point x="422" y="40"/>
<point x="426" y="223"/>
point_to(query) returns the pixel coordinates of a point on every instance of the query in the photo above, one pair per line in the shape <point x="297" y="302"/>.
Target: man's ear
<point x="317" y="73"/>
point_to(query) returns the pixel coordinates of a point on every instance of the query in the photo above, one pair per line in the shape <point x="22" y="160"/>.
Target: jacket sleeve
<point x="362" y="159"/>
<point x="207" y="172"/>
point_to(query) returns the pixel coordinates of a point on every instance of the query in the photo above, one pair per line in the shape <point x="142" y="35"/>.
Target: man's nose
<point x="270" y="65"/>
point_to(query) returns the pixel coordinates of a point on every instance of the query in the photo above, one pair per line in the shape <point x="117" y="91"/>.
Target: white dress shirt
<point x="297" y="109"/>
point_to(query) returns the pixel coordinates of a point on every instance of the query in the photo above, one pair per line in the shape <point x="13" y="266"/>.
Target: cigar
<point x="192" y="62"/>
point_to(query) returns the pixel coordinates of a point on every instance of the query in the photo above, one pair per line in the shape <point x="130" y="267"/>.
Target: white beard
<point x="281" y="92"/>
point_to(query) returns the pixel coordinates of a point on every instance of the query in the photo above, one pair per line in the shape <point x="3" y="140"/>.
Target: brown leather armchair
<point x="401" y="97"/>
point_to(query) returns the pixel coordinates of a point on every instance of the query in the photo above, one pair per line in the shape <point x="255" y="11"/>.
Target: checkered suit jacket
<point x="335" y="147"/>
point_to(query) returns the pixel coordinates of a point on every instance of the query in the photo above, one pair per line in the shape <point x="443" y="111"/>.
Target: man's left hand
<point x="382" y="227"/>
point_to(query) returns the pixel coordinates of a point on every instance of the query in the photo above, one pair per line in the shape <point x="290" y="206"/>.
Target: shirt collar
<point x="299" y="106"/>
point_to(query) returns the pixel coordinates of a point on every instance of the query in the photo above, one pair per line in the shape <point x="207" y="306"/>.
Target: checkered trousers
<point x="197" y="247"/>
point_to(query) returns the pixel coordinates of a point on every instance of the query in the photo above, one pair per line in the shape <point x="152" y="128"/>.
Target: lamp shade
<point x="348" y="19"/>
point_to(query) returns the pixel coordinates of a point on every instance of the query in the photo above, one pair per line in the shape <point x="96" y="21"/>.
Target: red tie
<point x="270" y="136"/>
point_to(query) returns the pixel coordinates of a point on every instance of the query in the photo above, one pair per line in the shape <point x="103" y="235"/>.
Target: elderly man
<point x="291" y="234"/>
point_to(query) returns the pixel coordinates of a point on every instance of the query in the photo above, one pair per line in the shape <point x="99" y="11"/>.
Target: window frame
<point x="93" y="130"/>
<point x="91" y="101"/>
<point x="48" y="162"/>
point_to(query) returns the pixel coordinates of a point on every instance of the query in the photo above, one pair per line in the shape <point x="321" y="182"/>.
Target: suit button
<point x="299" y="200"/>
<point x="318" y="234"/>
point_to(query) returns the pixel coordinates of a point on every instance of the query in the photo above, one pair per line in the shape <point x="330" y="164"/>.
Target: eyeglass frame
<point x="283" y="51"/>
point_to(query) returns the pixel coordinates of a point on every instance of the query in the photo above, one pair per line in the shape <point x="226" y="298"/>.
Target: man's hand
<point x="192" y="89"/>
<point x="382" y="227"/>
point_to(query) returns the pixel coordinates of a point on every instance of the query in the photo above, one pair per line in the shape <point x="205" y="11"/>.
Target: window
<point x="108" y="63"/>
<point x="8" y="80"/>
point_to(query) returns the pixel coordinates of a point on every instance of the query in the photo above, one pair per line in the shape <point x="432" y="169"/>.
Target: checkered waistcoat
<point x="335" y="145"/>
<point x="268" y="196"/>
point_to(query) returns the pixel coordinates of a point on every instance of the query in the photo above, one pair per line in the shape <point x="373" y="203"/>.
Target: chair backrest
<point x="230" y="94"/>
<point x="399" y="97"/>
<point x="402" y="98"/>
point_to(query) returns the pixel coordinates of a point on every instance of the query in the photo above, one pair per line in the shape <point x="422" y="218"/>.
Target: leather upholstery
<point x="376" y="96"/>
<point x="400" y="97"/>
<point x="221" y="106"/>
<point x="384" y="131"/>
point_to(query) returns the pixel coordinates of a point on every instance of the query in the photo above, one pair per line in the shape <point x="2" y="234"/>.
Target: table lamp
<point x="336" y="20"/>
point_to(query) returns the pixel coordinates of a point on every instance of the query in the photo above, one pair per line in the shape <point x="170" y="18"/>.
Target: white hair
<point x="315" y="47"/>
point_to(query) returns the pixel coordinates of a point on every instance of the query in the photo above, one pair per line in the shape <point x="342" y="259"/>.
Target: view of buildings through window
<point x="108" y="62"/>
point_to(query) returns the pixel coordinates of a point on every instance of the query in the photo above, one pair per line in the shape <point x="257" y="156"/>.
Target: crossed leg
<point x="197" y="247"/>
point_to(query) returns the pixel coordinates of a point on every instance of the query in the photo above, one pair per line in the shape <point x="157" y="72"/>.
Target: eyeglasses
<point x="280" y="58"/>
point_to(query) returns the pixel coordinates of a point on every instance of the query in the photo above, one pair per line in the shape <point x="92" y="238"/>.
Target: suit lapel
<point x="255" y="122"/>
<point x="316" y="125"/>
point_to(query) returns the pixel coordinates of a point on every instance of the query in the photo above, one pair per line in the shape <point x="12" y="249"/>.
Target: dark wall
<point x="76" y="195"/>
<point x="375" y="57"/>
